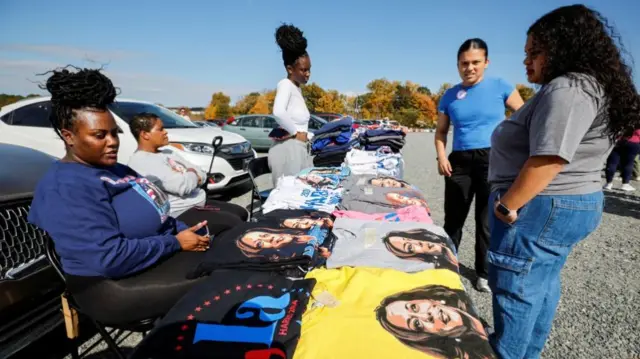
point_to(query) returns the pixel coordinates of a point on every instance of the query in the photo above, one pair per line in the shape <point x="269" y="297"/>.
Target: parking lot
<point x="597" y="315"/>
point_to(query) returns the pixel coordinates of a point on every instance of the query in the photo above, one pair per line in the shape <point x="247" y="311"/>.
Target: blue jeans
<point x="525" y="260"/>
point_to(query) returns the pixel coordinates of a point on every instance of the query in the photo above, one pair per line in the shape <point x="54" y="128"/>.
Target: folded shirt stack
<point x="292" y="193"/>
<point x="371" y="140"/>
<point x="381" y="162"/>
<point x="332" y="142"/>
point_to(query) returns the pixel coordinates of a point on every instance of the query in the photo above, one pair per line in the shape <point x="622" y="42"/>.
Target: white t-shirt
<point x="291" y="193"/>
<point x="290" y="108"/>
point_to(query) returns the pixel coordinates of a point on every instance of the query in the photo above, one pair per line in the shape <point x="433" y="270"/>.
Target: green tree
<point x="443" y="88"/>
<point x="424" y="90"/>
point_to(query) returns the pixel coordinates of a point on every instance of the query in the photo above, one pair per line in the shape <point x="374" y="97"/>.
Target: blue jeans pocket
<point x="570" y="221"/>
<point x="508" y="272"/>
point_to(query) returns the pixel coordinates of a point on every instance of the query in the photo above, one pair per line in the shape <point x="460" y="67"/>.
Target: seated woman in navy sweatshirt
<point x="124" y="257"/>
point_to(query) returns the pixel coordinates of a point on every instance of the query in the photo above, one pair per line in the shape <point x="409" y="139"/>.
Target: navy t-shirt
<point x="105" y="222"/>
<point x="475" y="111"/>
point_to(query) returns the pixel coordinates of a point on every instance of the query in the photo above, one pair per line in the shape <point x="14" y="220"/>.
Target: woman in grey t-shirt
<point x="545" y="167"/>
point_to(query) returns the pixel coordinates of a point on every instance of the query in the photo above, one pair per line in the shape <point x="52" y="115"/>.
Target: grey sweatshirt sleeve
<point x="165" y="170"/>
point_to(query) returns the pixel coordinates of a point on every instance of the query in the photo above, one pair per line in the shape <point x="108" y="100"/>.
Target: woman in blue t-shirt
<point x="474" y="107"/>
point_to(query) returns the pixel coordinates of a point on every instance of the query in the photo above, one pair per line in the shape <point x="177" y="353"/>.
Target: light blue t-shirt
<point x="475" y="111"/>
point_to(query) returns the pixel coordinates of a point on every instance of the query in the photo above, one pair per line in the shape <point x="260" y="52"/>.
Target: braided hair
<point x="292" y="42"/>
<point x="86" y="89"/>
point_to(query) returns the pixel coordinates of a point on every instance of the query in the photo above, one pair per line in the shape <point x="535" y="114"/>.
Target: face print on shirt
<point x="274" y="244"/>
<point x="435" y="320"/>
<point x="422" y="245"/>
<point x="154" y="195"/>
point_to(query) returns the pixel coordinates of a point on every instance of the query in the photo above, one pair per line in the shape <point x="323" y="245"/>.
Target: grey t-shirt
<point x="363" y="196"/>
<point x="168" y="171"/>
<point x="404" y="246"/>
<point x="566" y="119"/>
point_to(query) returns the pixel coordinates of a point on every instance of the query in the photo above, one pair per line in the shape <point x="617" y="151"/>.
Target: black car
<point x="29" y="287"/>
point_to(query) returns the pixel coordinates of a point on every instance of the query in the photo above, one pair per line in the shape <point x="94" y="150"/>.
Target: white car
<point x="26" y="123"/>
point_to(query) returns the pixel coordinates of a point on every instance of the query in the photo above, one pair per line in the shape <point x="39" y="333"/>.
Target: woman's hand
<point x="508" y="219"/>
<point x="324" y="252"/>
<point x="191" y="241"/>
<point x="444" y="166"/>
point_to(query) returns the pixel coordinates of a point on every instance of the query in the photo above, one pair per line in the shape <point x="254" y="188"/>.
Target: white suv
<point x="26" y="123"/>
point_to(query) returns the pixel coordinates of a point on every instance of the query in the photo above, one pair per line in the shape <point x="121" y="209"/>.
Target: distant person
<point x="545" y="173"/>
<point x="474" y="107"/>
<point x="176" y="176"/>
<point x="183" y="114"/>
<point x="624" y="154"/>
<point x="290" y="154"/>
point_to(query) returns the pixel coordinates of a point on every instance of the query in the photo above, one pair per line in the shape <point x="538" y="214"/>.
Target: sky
<point x="180" y="53"/>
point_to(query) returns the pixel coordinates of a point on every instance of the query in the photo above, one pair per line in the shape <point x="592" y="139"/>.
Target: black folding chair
<point x="142" y="326"/>
<point x="257" y="167"/>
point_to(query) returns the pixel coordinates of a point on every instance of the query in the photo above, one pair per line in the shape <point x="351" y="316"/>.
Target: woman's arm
<point x="280" y="104"/>
<point x="514" y="101"/>
<point x="534" y="177"/>
<point x="442" y="131"/>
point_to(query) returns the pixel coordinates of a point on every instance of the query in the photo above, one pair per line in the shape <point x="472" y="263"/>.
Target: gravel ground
<point x="599" y="312"/>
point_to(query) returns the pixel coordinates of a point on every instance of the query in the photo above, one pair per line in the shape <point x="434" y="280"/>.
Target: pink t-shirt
<point x="406" y="214"/>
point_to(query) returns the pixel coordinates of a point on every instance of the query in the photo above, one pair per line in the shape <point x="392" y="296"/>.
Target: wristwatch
<point x="504" y="210"/>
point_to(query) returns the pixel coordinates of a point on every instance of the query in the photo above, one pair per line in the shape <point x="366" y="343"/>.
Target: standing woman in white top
<point x="291" y="155"/>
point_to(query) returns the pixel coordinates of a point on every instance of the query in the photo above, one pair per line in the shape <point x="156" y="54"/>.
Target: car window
<point x="256" y="122"/>
<point x="246" y="121"/>
<point x="126" y="111"/>
<point x="270" y="122"/>
<point x="34" y="115"/>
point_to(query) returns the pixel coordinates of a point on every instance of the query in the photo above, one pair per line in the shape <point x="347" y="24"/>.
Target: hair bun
<point x="292" y="42"/>
<point x="82" y="88"/>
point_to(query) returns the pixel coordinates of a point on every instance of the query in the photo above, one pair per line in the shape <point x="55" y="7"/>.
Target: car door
<point x="268" y="125"/>
<point x="245" y="129"/>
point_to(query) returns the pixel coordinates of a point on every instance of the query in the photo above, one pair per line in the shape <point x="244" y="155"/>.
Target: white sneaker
<point x="482" y="285"/>
<point x="608" y="186"/>
<point x="627" y="187"/>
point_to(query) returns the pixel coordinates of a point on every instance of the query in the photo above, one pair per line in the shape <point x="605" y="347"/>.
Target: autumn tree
<point x="210" y="112"/>
<point x="525" y="91"/>
<point x="424" y="90"/>
<point x="380" y="100"/>
<point x="426" y="108"/>
<point x="219" y="102"/>
<point x="261" y="106"/>
<point x="443" y="88"/>
<point x="246" y="103"/>
<point x="312" y="94"/>
<point x="331" y="101"/>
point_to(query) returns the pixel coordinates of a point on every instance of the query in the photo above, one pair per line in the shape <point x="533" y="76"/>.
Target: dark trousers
<point x="153" y="291"/>
<point x="469" y="178"/>
<point x="623" y="154"/>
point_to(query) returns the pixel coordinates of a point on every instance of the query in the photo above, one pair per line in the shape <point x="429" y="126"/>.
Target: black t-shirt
<point x="274" y="243"/>
<point x="232" y="314"/>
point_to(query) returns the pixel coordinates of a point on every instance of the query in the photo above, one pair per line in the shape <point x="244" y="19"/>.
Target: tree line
<point x="407" y="102"/>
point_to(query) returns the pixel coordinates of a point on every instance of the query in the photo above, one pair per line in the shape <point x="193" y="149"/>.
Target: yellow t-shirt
<point x="373" y="313"/>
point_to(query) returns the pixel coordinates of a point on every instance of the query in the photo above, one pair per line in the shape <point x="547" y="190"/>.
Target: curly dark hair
<point x="578" y="40"/>
<point x="292" y="42"/>
<point x="85" y="88"/>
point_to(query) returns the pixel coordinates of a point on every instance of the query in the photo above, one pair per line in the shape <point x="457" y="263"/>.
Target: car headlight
<point x="236" y="148"/>
<point x="195" y="147"/>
